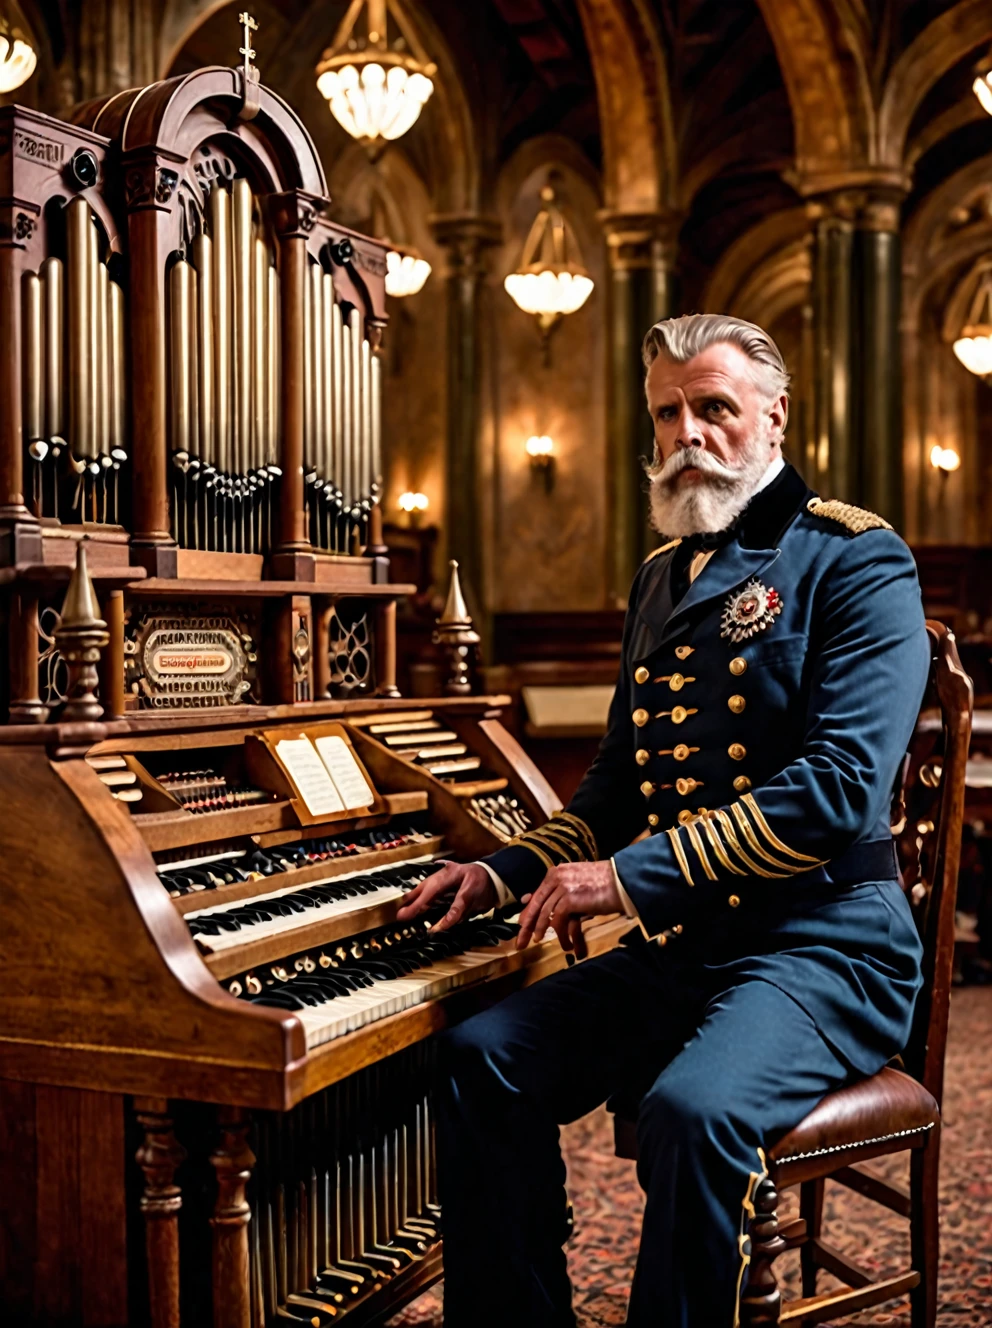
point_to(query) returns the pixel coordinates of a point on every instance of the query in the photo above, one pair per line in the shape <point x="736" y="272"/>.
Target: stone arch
<point x="828" y="87"/>
<point x="639" y="150"/>
<point x="925" y="249"/>
<point x="736" y="276"/>
<point x="941" y="44"/>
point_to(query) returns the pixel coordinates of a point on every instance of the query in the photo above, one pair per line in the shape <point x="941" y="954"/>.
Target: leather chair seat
<point x="856" y="1122"/>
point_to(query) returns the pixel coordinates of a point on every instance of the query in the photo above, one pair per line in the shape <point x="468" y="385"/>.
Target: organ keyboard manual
<point x="216" y="1057"/>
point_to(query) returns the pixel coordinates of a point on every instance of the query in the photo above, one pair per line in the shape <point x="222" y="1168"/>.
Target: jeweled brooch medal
<point x="750" y="611"/>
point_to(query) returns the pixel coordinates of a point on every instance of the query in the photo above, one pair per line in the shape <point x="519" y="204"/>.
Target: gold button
<point x="685" y="815"/>
<point x="734" y="900"/>
<point x="737" y="704"/>
<point x="738" y="666"/>
<point x="683" y="652"/>
<point x="737" y="751"/>
<point x="662" y="939"/>
<point x="641" y="674"/>
<point x="681" y="752"/>
<point x="653" y="818"/>
<point x="686" y="786"/>
<point x="676" y="682"/>
<point x="640" y="718"/>
<point x="642" y="756"/>
<point x="677" y="929"/>
<point x="679" y="714"/>
<point x="647" y="788"/>
<point x="742" y="783"/>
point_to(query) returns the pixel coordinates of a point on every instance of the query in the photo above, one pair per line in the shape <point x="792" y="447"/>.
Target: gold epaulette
<point x="855" y="519"/>
<point x="672" y="544"/>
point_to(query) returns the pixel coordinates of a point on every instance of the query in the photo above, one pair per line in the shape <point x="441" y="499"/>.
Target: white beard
<point x="712" y="502"/>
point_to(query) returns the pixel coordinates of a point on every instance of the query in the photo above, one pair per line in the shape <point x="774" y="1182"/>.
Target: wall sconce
<point x="541" y="450"/>
<point x="415" y="505"/>
<point x="944" y="459"/>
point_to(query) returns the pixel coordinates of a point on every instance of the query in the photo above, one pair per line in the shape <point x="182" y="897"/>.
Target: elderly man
<point x="774" y="659"/>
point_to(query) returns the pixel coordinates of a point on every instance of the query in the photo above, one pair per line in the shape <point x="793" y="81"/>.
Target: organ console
<point x="216" y="1096"/>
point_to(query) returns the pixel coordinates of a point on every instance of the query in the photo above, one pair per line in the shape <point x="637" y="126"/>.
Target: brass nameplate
<point x="190" y="662"/>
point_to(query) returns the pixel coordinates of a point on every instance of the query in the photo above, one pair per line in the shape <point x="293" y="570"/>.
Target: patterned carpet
<point x="608" y="1204"/>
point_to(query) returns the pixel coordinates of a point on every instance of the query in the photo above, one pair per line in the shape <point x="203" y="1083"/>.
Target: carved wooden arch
<point x="639" y="150"/>
<point x="733" y="277"/>
<point x="827" y="83"/>
<point x="176" y="114"/>
<point x="949" y="38"/>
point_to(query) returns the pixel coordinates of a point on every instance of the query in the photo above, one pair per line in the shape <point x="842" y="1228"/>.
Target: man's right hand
<point x="469" y="887"/>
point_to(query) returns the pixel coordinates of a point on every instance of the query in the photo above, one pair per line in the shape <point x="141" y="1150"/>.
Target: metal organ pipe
<point x="80" y="381"/>
<point x="241" y="206"/>
<point x="52" y="272"/>
<point x="220" y="230"/>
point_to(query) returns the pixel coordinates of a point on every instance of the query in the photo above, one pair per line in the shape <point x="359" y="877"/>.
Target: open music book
<point x="326" y="774"/>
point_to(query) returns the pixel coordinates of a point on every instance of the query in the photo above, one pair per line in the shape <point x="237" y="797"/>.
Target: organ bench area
<point x="180" y="932"/>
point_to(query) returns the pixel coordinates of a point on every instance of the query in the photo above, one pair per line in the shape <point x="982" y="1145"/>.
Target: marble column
<point x="467" y="240"/>
<point x="857" y="352"/>
<point x="640" y="248"/>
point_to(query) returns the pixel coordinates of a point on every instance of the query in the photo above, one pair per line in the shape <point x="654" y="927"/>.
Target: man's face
<point x="716" y="434"/>
<point x="711" y="404"/>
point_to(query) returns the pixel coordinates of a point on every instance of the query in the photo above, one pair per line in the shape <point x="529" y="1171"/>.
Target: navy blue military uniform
<point x="759" y="722"/>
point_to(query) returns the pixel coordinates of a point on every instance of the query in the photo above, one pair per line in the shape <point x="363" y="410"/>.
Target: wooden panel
<point x="18" y="1220"/>
<point x="213" y="566"/>
<point x="58" y="1290"/>
<point x="163" y="830"/>
<point x="103" y="1229"/>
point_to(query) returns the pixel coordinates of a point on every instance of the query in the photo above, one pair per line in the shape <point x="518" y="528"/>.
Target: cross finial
<point x="250" y="26"/>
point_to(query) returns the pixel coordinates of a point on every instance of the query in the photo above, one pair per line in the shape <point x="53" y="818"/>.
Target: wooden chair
<point x="897" y="1109"/>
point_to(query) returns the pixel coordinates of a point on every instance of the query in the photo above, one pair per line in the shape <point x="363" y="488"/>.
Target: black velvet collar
<point x="763" y="522"/>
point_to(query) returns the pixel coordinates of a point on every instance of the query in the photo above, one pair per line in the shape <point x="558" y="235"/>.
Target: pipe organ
<point x="74" y="422"/>
<point x="216" y="1056"/>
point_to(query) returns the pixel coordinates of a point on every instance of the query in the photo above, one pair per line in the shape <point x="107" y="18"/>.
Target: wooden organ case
<point x="215" y="1056"/>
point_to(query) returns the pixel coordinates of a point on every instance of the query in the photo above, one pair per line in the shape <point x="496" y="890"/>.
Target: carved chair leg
<point x="159" y="1156"/>
<point x="232" y="1160"/>
<point x="761" y="1302"/>
<point x="924" y="1230"/>
<point x="811" y="1209"/>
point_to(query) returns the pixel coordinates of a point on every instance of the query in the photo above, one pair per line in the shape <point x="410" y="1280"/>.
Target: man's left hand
<point x="568" y="894"/>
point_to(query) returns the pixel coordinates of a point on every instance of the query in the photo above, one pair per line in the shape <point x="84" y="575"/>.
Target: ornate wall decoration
<point x="53" y="677"/>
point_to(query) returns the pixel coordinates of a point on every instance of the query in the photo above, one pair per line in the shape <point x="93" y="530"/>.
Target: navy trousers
<point x="723" y="1069"/>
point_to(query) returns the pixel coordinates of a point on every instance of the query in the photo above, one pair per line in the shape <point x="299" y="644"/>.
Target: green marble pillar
<point x="640" y="292"/>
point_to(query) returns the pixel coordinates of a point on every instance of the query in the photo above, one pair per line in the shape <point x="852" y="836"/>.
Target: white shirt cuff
<point x="625" y="899"/>
<point x="503" y="893"/>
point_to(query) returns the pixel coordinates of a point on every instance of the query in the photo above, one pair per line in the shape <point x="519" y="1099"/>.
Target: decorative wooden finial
<point x="457" y="637"/>
<point x="80" y="636"/>
<point x="249" y="74"/>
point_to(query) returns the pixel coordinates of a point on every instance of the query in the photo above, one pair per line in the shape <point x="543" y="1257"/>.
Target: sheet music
<point x="310" y="775"/>
<point x="345" y="771"/>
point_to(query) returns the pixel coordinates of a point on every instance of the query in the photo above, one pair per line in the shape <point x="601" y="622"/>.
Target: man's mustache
<point x="695" y="458"/>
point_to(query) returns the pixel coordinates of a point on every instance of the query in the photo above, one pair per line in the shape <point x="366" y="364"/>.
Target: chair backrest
<point x="933" y="802"/>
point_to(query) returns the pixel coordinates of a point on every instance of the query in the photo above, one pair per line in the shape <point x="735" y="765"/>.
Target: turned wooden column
<point x="385" y="649"/>
<point x="159" y="1156"/>
<point x="150" y="186"/>
<point x="640" y="293"/>
<point x="26" y="706"/>
<point x="232" y="1160"/>
<point x="761" y="1303"/>
<point x="112" y="659"/>
<point x="294" y="215"/>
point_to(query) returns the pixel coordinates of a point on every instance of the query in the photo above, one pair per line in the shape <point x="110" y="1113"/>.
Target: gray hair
<point x="680" y="339"/>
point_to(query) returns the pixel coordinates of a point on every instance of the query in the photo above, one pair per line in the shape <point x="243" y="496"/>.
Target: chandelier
<point x="550" y="281"/>
<point x="406" y="271"/>
<point x="375" y="88"/>
<point x="17" y="57"/>
<point x="974" y="346"/>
